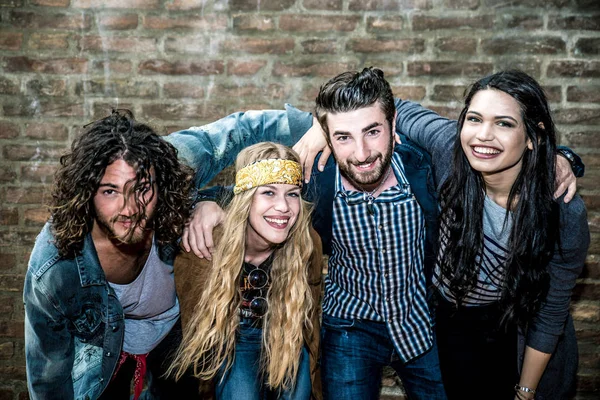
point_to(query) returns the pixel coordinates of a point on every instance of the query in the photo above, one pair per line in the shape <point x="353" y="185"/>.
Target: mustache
<point x="367" y="161"/>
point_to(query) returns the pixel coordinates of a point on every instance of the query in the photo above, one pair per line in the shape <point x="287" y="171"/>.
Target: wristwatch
<point x="576" y="163"/>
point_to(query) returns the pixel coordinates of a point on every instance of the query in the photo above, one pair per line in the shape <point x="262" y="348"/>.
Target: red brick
<point x="386" y="5"/>
<point x="520" y="22"/>
<point x="11" y="283"/>
<point x="183" y="90"/>
<point x="460" y="4"/>
<point x="587" y="5"/>
<point x="38" y="173"/>
<point x="253" y="22"/>
<point x="9" y="260"/>
<point x="260" y="5"/>
<point x="448" y="112"/>
<point x="574" y="69"/>
<point x="592" y="202"/>
<point x="185" y="5"/>
<point x="317" y="23"/>
<point x="192" y="44"/>
<point x="326" y="70"/>
<point x="526" y="3"/>
<point x="48" y="41"/>
<point x="586" y="312"/>
<point x="9" y="216"/>
<point x="7" y="349"/>
<point x="579" y="22"/>
<point x="583" y="139"/>
<point x="19" y="152"/>
<point x="385" y="46"/>
<point x="580" y="116"/>
<point x="8" y="86"/>
<point x="50" y="87"/>
<point x="208" y="23"/>
<point x="423" y="23"/>
<point x="553" y="93"/>
<point x="13" y="372"/>
<point x="320" y="46"/>
<point x="592" y="266"/>
<point x="381" y="24"/>
<point x="119" y="44"/>
<point x="259" y="45"/>
<point x="46" y="20"/>
<point x="7" y="174"/>
<point x="45" y="107"/>
<point x="448" y="93"/>
<point x="118" y="22"/>
<point x="10" y="40"/>
<point x="532" y="66"/>
<point x="112" y="67"/>
<point x="174" y="111"/>
<point x="524" y="45"/>
<point x="11" y="3"/>
<point x="332" y="5"/>
<point x="243" y="68"/>
<point x="7" y="394"/>
<point x="116" y="88"/>
<point x="24" y="195"/>
<point x="8" y="130"/>
<point x="587" y="47"/>
<point x="181" y="67"/>
<point x="448" y="68"/>
<point x="585" y="94"/>
<point x="414" y="93"/>
<point x="462" y="45"/>
<point x="50" y="3"/>
<point x="46" y="131"/>
<point x="133" y="4"/>
<point x="64" y="66"/>
<point x="390" y="68"/>
<point x="36" y="216"/>
<point x="243" y="93"/>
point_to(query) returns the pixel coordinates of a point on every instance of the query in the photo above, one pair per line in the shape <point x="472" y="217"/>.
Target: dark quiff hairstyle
<point x="353" y="90"/>
<point x="118" y="136"/>
<point x="535" y="213"/>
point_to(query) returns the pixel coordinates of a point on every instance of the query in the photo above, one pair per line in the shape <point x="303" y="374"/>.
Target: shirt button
<point x="383" y="250"/>
<point x="387" y="299"/>
<point x="380" y="227"/>
<point x="108" y="354"/>
<point x="115" y="328"/>
<point x="391" y="320"/>
<point x="385" y="275"/>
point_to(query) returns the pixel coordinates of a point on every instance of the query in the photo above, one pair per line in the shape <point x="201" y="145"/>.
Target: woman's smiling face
<point x="493" y="134"/>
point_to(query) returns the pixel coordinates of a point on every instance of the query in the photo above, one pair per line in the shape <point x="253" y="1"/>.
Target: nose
<point x="130" y="206"/>
<point x="485" y="132"/>
<point x="281" y="203"/>
<point x="362" y="152"/>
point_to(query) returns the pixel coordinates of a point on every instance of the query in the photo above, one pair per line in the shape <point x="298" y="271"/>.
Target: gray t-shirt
<point x="150" y="305"/>
<point x="491" y="260"/>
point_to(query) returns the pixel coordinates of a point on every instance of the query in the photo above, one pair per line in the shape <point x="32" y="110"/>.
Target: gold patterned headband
<point x="266" y="172"/>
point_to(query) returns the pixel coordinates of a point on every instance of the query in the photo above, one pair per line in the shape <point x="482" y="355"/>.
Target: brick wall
<point x="177" y="63"/>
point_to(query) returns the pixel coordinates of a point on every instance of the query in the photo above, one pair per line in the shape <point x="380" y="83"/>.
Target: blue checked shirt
<point x="376" y="264"/>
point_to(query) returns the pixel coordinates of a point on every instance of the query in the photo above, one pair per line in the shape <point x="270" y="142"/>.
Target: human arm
<point x="534" y="364"/>
<point x="210" y="148"/>
<point x="49" y="348"/>
<point x="550" y="323"/>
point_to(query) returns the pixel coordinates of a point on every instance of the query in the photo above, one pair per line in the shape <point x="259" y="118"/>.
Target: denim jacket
<point x="74" y="323"/>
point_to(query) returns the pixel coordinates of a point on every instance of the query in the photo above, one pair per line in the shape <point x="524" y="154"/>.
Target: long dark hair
<point x="533" y="236"/>
<point x="118" y="136"/>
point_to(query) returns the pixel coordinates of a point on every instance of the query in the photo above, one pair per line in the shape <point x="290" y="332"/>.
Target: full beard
<point x="134" y="235"/>
<point x="371" y="178"/>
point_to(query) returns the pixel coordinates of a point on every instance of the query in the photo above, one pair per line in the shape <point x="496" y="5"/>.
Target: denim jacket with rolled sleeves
<point x="74" y="323"/>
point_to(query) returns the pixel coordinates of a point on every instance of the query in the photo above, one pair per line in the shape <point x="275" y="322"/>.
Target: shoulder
<point x="411" y="153"/>
<point x="45" y="253"/>
<point x="573" y="220"/>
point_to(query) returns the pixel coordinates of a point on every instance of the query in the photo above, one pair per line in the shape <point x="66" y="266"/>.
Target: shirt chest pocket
<point x="89" y="321"/>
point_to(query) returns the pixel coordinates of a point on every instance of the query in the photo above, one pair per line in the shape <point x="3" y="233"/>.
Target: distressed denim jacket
<point x="74" y="323"/>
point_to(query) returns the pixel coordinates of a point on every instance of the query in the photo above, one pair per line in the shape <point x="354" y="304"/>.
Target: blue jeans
<point x="244" y="380"/>
<point x="354" y="353"/>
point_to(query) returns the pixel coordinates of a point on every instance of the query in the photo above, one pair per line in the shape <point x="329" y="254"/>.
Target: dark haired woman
<point x="509" y="252"/>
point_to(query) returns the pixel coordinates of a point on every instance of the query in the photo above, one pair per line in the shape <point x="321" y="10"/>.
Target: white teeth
<point x="486" y="150"/>
<point x="276" y="221"/>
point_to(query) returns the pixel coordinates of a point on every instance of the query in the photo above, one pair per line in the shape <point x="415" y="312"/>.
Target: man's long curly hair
<point x="118" y="137"/>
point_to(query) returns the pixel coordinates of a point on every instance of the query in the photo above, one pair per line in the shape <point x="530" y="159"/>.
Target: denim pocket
<point x="337" y="323"/>
<point x="89" y="320"/>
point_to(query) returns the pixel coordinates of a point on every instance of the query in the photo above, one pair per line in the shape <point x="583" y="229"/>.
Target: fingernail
<point x="321" y="168"/>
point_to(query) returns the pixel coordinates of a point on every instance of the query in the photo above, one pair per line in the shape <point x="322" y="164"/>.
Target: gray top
<point x="491" y="262"/>
<point x="150" y="305"/>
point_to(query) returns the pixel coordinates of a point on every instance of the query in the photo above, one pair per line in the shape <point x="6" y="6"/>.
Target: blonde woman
<point x="250" y="315"/>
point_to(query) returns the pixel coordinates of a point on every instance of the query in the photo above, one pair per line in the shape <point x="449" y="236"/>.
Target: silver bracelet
<point x="525" y="389"/>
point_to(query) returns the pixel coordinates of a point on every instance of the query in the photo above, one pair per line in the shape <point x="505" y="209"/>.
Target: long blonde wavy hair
<point x="209" y="338"/>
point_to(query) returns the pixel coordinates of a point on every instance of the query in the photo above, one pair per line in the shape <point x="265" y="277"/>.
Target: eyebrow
<point x="496" y="117"/>
<point x="363" y="130"/>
